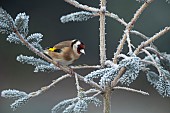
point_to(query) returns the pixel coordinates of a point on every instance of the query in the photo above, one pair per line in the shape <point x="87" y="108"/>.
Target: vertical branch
<point x="107" y="100"/>
<point x="107" y="89"/>
<point x="102" y="32"/>
<point x="77" y="85"/>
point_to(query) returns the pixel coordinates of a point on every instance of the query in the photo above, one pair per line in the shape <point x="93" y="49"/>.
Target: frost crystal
<point x="133" y="65"/>
<point x="152" y="77"/>
<point x="45" y="68"/>
<point x="21" y="22"/>
<point x="13" y="38"/>
<point x="108" y="77"/>
<point x="20" y="102"/>
<point x="76" y="105"/>
<point x="93" y="100"/>
<point x="31" y="60"/>
<point x="69" y="109"/>
<point x="20" y="96"/>
<point x="6" y="22"/>
<point x="163" y="63"/>
<point x="78" y="16"/>
<point x="40" y="65"/>
<point x="163" y="87"/>
<point x="14" y="94"/>
<point x="62" y="105"/>
<point x="35" y="39"/>
<point x="161" y="84"/>
<point x="96" y="74"/>
<point x="80" y="106"/>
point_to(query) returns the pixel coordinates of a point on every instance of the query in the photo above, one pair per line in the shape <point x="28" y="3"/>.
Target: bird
<point x="66" y="52"/>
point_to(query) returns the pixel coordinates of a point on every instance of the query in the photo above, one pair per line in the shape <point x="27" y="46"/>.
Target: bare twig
<point x="129" y="27"/>
<point x="45" y="88"/>
<point x="129" y="43"/>
<point x="156" y="36"/>
<point x="84" y="7"/>
<point x="132" y="90"/>
<point x="139" y="34"/>
<point x="153" y="60"/>
<point x="122" y="56"/>
<point x="86" y="67"/>
<point x="92" y="91"/>
<point x="116" y="17"/>
<point x="99" y="92"/>
<point x="153" y="50"/>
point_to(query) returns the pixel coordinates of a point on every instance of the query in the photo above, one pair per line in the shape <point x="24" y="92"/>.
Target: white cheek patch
<point x="75" y="46"/>
<point x="77" y="43"/>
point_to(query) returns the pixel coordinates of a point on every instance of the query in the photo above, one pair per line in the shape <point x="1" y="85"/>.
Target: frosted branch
<point x="153" y="60"/>
<point x="78" y="16"/>
<point x="129" y="43"/>
<point x="6" y="22"/>
<point x="132" y="90"/>
<point x="81" y="6"/>
<point x="116" y="17"/>
<point x="139" y="34"/>
<point x="153" y="38"/>
<point x="14" y="94"/>
<point x="21" y="22"/>
<point x="20" y="97"/>
<point x="102" y="33"/>
<point x="67" y="70"/>
<point x="129" y="28"/>
<point x="86" y="67"/>
<point x="77" y="86"/>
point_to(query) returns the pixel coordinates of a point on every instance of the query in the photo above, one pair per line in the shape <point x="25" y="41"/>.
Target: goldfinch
<point x="66" y="52"/>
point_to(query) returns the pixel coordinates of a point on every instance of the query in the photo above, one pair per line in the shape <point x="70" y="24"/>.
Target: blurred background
<point x="45" y="18"/>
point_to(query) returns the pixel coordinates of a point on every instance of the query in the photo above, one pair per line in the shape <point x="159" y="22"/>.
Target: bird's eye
<point x="58" y="50"/>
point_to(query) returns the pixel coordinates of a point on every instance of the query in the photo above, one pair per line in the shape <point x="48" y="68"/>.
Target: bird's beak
<point x="82" y="51"/>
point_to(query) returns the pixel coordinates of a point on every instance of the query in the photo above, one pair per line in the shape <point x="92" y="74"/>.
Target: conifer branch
<point x="136" y="52"/>
<point x="67" y="70"/>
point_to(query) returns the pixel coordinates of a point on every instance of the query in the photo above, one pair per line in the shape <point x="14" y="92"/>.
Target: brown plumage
<point x="66" y="52"/>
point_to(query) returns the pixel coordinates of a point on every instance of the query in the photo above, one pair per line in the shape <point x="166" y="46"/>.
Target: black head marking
<point x="73" y="42"/>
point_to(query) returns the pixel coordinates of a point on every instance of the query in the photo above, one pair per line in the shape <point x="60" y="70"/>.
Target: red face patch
<point x="81" y="46"/>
